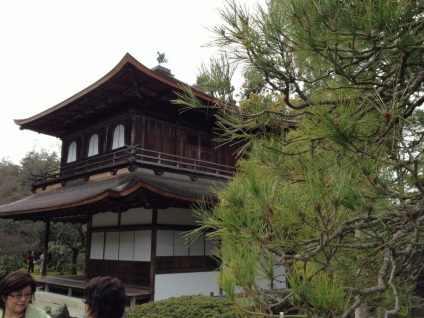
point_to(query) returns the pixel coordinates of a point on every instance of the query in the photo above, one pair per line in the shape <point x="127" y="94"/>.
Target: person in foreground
<point x="16" y="292"/>
<point x="105" y="297"/>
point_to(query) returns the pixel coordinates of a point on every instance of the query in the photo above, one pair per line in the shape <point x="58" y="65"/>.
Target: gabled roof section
<point x="127" y="82"/>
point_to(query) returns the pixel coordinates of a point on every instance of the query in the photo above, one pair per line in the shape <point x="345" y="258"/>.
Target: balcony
<point x="132" y="158"/>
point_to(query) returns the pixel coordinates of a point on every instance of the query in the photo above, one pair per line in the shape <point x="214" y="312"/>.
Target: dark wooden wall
<point x="138" y="273"/>
<point x="178" y="264"/>
<point x="130" y="272"/>
<point x="192" y="137"/>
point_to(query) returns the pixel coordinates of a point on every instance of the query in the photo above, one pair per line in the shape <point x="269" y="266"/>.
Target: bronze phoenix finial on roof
<point x="161" y="58"/>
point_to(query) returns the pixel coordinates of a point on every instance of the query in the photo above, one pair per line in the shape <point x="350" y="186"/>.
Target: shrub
<point x="9" y="264"/>
<point x="186" y="307"/>
<point x="48" y="310"/>
<point x="61" y="312"/>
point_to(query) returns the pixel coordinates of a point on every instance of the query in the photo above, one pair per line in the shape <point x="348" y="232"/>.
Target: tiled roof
<point x="79" y="196"/>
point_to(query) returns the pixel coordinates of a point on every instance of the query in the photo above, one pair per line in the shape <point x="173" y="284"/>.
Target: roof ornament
<point x="161" y="58"/>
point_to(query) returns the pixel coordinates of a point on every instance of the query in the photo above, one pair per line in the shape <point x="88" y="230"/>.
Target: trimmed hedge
<point x="186" y="307"/>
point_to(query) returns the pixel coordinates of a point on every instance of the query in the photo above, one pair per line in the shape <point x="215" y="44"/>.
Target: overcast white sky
<point x="52" y="49"/>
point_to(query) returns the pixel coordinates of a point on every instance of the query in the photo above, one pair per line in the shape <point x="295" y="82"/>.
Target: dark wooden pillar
<point x="153" y="253"/>
<point x="46" y="248"/>
<point x="88" y="248"/>
<point x="136" y="127"/>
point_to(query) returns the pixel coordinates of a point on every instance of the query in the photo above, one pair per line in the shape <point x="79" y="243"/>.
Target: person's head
<point x="105" y="297"/>
<point x="16" y="291"/>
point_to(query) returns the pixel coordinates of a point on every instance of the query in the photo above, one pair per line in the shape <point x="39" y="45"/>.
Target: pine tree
<point x="329" y="186"/>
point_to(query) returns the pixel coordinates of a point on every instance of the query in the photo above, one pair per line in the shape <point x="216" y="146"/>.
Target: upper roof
<point x="129" y="80"/>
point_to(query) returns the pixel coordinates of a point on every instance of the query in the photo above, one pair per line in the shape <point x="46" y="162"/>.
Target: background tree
<point x="36" y="163"/>
<point x="73" y="237"/>
<point x="10" y="187"/>
<point x="338" y="201"/>
<point x="20" y="237"/>
<point x="17" y="238"/>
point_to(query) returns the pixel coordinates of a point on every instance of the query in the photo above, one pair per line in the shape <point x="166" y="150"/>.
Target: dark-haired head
<point x="105" y="297"/>
<point x="13" y="282"/>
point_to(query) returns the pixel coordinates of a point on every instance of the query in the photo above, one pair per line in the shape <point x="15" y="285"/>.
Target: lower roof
<point x="80" y="199"/>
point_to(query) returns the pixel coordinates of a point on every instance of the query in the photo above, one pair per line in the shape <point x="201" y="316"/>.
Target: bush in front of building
<point x="186" y="307"/>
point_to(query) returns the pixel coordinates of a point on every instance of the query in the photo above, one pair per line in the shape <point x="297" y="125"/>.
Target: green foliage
<point x="48" y="310"/>
<point x="323" y="294"/>
<point x="36" y="162"/>
<point x="60" y="312"/>
<point x="215" y="79"/>
<point x="10" y="188"/>
<point x="20" y="237"/>
<point x="9" y="264"/>
<point x="260" y="219"/>
<point x="186" y="307"/>
<point x="331" y="140"/>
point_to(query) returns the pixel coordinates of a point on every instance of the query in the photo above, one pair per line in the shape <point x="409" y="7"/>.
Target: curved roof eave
<point x="126" y="59"/>
<point x="94" y="192"/>
<point x="109" y="194"/>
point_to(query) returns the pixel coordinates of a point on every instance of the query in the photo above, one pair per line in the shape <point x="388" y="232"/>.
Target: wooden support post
<point x="46" y="248"/>
<point x="153" y="252"/>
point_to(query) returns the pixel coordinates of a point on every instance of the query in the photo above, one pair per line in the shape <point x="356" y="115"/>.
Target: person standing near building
<point x="105" y="297"/>
<point x="16" y="292"/>
<point x="42" y="262"/>
<point x="31" y="261"/>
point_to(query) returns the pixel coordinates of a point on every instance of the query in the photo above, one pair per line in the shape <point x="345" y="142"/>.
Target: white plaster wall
<point x="136" y="216"/>
<point x="183" y="284"/>
<point x="105" y="219"/>
<point x="132" y="217"/>
<point x="177" y="216"/>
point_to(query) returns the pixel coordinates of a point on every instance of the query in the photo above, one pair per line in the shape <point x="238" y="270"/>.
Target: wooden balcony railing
<point x="162" y="160"/>
<point x="133" y="157"/>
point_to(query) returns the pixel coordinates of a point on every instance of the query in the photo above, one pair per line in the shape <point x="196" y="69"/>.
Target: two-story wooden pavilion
<point x="132" y="166"/>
